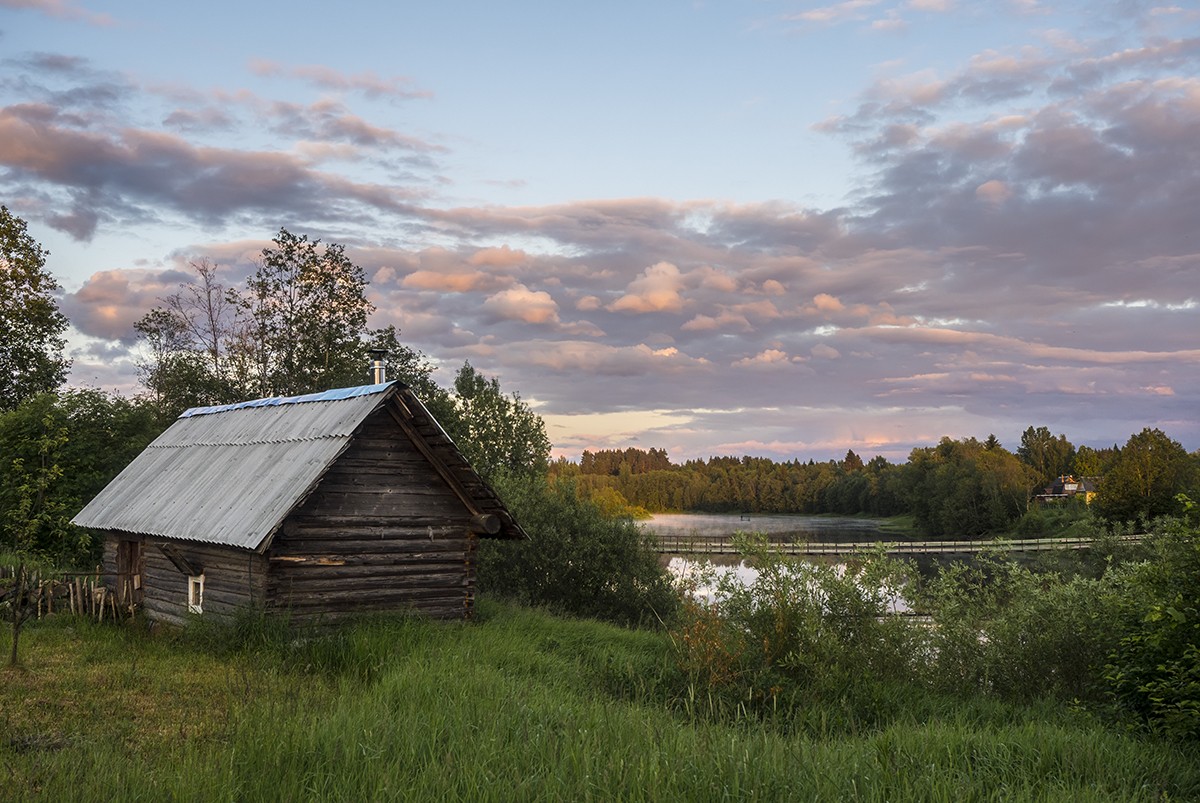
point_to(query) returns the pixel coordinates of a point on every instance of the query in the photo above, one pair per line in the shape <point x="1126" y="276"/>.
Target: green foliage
<point x="576" y="560"/>
<point x="639" y="461"/>
<point x="31" y="326"/>
<point x="58" y="451"/>
<point x="1155" y="669"/>
<point x="1146" y="475"/>
<point x="1091" y="462"/>
<point x="802" y="633"/>
<point x="1068" y="518"/>
<point x="308" y="309"/>
<point x="647" y="479"/>
<point x="1004" y="629"/>
<point x="1121" y="638"/>
<point x="37" y="520"/>
<point x="1049" y="457"/>
<point x="297" y="325"/>
<point x="499" y="434"/>
<point x="959" y="489"/>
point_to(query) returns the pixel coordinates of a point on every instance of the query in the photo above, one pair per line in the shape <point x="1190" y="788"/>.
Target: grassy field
<point x="519" y="705"/>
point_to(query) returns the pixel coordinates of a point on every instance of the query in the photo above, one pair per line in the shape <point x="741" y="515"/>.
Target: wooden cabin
<point x="349" y="501"/>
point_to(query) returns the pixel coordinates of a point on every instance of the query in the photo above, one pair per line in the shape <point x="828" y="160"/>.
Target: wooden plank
<point x="357" y="602"/>
<point x="374" y="585"/>
<point x="304" y="562"/>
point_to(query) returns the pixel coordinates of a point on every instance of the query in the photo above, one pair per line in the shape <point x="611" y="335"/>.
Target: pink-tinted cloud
<point x="367" y="82"/>
<point x="768" y="359"/>
<point x="63" y="9"/>
<point x="519" y="303"/>
<point x="448" y="282"/>
<point x="110" y="302"/>
<point x="656" y="290"/>
<point x="152" y="170"/>
<point x="837" y="12"/>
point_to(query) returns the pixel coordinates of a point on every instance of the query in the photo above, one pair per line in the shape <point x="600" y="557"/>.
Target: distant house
<point x="323" y="505"/>
<point x="1068" y="487"/>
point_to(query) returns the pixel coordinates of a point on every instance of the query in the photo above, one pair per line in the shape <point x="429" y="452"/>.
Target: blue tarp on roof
<point x="337" y="394"/>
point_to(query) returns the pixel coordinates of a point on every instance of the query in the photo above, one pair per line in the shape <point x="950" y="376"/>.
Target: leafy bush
<point x="577" y="560"/>
<point x="802" y="633"/>
<point x="1155" y="669"/>
<point x="1004" y="629"/>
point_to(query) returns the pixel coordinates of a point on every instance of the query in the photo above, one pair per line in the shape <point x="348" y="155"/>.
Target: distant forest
<point x="958" y="488"/>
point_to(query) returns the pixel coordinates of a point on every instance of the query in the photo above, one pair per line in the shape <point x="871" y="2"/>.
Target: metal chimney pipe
<point x="377" y="371"/>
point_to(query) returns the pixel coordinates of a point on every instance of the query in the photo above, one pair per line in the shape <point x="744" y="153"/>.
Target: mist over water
<point x="799" y="528"/>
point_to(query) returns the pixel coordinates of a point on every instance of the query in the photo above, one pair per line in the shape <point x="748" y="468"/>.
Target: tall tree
<point x="308" y="307"/>
<point x="499" y="434"/>
<point x="1047" y="455"/>
<point x="1090" y="462"/>
<point x="1147" y="474"/>
<point x="31" y="326"/>
<point x="298" y="325"/>
<point x="852" y="462"/>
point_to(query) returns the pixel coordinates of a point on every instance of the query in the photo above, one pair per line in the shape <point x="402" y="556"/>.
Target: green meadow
<point x="516" y="705"/>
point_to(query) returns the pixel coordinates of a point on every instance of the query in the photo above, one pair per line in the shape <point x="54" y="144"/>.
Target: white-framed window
<point x="196" y="593"/>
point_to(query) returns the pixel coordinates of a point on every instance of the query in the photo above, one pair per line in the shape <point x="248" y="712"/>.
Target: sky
<point x="718" y="227"/>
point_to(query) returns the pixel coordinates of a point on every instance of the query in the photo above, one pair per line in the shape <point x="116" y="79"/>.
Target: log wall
<point x="233" y="578"/>
<point x="381" y="532"/>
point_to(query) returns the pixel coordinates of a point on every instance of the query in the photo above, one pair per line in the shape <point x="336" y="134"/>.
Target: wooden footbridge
<point x="680" y="544"/>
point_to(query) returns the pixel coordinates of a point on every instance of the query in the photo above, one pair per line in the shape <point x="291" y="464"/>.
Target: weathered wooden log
<point x="485" y="524"/>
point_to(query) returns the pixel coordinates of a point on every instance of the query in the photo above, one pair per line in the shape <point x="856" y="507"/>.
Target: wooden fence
<point x="80" y="594"/>
<point x="676" y="544"/>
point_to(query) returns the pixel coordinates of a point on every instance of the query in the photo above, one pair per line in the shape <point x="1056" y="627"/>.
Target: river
<point x="799" y="528"/>
<point x="712" y="525"/>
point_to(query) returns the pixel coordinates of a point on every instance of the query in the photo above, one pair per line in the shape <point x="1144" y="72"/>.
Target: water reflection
<point x="711" y="572"/>
<point x="799" y="528"/>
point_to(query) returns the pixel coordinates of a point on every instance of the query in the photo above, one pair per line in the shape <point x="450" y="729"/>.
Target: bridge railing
<point x="690" y="544"/>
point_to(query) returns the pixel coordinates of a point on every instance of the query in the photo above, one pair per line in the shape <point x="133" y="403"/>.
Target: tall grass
<point x="517" y="706"/>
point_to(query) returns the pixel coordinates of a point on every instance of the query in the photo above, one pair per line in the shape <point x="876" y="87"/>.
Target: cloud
<point x="324" y="77"/>
<point x="604" y="360"/>
<point x="827" y="303"/>
<point x="63" y="9"/>
<point x="770" y="358"/>
<point x="993" y="192"/>
<point x="519" y="303"/>
<point x="142" y="173"/>
<point x="939" y="6"/>
<point x="849" y="9"/>
<point x="502" y="257"/>
<point x="656" y="290"/>
<point x="1021" y="246"/>
<point x="448" y="282"/>
<point x="110" y="302"/>
<point x="725" y="319"/>
<point x="825" y="352"/>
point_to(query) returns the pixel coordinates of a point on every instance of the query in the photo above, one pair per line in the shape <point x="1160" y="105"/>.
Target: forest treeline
<point x="956" y="488"/>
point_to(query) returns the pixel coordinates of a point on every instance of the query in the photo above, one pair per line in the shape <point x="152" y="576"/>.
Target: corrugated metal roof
<point x="335" y="394"/>
<point x="229" y="475"/>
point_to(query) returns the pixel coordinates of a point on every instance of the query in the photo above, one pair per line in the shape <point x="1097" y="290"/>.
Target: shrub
<point x="576" y="560"/>
<point x="1155" y="668"/>
<point x="802" y="634"/>
<point x="1004" y="629"/>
